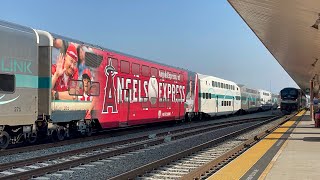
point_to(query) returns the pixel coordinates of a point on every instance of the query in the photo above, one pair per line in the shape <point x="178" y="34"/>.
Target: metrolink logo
<point x="15" y="65"/>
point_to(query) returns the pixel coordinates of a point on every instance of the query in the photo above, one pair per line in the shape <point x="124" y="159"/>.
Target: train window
<point x="145" y="71"/>
<point x="216" y="84"/>
<point x="207" y="95"/>
<point x="135" y="69"/>
<point x="237" y="97"/>
<point x="114" y="63"/>
<point x="221" y="103"/>
<point x="212" y="84"/>
<point x="154" y="72"/>
<point x="229" y="103"/>
<point x="162" y="73"/>
<point x="222" y="85"/>
<point x="7" y="83"/>
<point x="203" y="95"/>
<point x="181" y="77"/>
<point x="91" y="59"/>
<point x="175" y="76"/>
<point x="125" y="66"/>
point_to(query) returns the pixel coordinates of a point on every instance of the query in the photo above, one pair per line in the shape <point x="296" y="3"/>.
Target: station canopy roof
<point x="289" y="29"/>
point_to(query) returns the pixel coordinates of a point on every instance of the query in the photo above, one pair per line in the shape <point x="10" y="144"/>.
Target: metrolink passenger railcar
<point x="218" y="96"/>
<point x="53" y="86"/>
<point x="250" y="100"/>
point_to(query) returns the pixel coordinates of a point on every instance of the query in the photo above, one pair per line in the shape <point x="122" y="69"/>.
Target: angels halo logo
<point x="153" y="90"/>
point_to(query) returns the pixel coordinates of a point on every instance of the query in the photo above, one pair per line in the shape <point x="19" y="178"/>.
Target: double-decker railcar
<point x="250" y="100"/>
<point x="218" y="96"/>
<point x="265" y="100"/>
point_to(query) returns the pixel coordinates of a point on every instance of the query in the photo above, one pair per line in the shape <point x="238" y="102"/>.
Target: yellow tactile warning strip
<point x="239" y="166"/>
<point x="274" y="159"/>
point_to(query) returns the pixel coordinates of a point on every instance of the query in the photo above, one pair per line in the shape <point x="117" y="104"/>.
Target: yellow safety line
<point x="239" y="166"/>
<point x="274" y="159"/>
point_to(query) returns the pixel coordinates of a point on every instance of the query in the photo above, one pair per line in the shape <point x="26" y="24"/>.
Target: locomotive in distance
<point x="292" y="99"/>
<point x="54" y="86"/>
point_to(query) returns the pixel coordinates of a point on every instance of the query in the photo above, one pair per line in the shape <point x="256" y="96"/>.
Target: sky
<point x="205" y="36"/>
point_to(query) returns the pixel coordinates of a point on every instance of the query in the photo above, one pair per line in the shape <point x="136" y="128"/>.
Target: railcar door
<point x="125" y="106"/>
<point x="217" y="104"/>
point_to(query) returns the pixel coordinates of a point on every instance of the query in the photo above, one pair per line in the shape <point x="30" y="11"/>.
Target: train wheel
<point x="60" y="133"/>
<point x="32" y="138"/>
<point x="4" y="139"/>
<point x="89" y="130"/>
<point x="200" y="117"/>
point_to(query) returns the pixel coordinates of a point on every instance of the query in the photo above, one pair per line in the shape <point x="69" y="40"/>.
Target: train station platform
<point x="290" y="152"/>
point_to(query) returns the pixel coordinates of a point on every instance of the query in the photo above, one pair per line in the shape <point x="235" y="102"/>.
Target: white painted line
<point x="254" y="172"/>
<point x="279" y="143"/>
<point x="105" y="160"/>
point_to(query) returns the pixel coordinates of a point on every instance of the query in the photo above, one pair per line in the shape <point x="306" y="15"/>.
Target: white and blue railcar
<point x="265" y="99"/>
<point x="218" y="96"/>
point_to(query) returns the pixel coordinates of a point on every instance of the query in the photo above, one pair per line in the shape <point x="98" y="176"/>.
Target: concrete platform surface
<point x="299" y="157"/>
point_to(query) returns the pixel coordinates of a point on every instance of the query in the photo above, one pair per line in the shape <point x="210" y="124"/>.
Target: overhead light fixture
<point x="316" y="24"/>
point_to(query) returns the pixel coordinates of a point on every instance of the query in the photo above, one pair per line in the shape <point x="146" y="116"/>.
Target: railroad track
<point x="106" y="134"/>
<point x="49" y="164"/>
<point x="40" y="146"/>
<point x="197" y="161"/>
